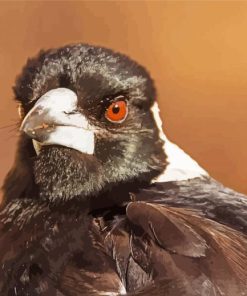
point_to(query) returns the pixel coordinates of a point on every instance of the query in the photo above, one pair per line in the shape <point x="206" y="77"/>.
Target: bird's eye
<point x="117" y="111"/>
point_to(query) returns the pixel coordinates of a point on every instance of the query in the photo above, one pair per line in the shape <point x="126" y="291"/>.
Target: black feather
<point x="75" y="224"/>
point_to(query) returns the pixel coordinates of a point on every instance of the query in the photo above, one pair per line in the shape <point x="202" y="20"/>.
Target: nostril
<point x="71" y="112"/>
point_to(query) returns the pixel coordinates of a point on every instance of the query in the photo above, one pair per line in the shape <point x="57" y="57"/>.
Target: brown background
<point x="196" y="52"/>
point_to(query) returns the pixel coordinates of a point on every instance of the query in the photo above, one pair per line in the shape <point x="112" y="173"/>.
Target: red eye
<point x="117" y="111"/>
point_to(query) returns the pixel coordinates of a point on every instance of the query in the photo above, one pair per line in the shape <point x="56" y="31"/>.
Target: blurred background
<point x="196" y="52"/>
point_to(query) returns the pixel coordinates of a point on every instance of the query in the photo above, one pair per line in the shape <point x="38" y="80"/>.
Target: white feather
<point x="180" y="165"/>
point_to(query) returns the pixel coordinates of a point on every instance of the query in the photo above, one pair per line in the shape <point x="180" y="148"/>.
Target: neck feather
<point x="180" y="165"/>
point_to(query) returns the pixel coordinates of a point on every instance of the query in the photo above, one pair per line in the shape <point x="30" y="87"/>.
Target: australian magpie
<point x="99" y="201"/>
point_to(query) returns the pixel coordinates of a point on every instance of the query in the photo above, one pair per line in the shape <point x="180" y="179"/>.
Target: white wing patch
<point x="180" y="165"/>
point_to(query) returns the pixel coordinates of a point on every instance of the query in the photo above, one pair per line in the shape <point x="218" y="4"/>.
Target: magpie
<point x="99" y="201"/>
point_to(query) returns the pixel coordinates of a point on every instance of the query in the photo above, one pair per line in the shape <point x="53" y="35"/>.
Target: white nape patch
<point x="66" y="126"/>
<point x="180" y="165"/>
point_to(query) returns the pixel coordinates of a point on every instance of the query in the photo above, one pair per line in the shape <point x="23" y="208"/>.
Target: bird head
<point x="87" y="124"/>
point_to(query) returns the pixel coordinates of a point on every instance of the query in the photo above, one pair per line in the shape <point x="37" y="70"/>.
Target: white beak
<point x="55" y="120"/>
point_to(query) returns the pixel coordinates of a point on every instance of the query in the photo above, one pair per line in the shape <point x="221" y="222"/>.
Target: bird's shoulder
<point x="164" y="238"/>
<point x="205" y="195"/>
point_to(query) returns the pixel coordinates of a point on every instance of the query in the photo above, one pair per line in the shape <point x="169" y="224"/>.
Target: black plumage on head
<point x="99" y="202"/>
<point x="126" y="154"/>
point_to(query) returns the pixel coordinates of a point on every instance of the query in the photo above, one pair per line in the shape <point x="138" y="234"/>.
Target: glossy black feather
<point x="74" y="224"/>
<point x="182" y="243"/>
<point x="211" y="198"/>
<point x="140" y="246"/>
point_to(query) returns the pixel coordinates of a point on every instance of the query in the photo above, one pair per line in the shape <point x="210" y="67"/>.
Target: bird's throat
<point x="62" y="173"/>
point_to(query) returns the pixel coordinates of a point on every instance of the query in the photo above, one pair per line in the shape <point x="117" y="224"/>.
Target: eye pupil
<point x="115" y="109"/>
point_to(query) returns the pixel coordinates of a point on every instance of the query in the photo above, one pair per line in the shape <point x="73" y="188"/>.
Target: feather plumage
<point x="118" y="217"/>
